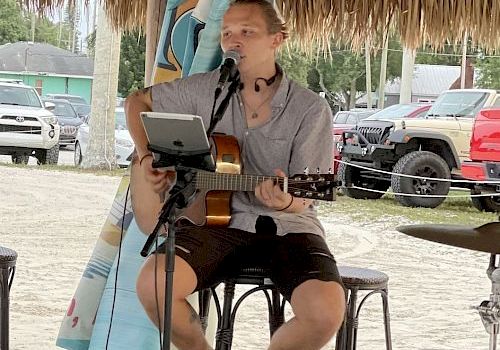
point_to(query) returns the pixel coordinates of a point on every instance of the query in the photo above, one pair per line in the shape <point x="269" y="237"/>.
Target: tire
<point x="20" y="158"/>
<point x="350" y="176"/>
<point x="77" y="157"/>
<point x="488" y="204"/>
<point x="425" y="164"/>
<point x="48" y="156"/>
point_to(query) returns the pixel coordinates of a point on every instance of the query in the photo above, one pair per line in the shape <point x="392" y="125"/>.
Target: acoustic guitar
<point x="211" y="205"/>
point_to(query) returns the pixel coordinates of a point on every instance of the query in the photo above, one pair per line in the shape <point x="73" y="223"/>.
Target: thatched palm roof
<point x="317" y="21"/>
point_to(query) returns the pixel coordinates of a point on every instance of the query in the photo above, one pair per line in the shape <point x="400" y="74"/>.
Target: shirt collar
<point x="280" y="96"/>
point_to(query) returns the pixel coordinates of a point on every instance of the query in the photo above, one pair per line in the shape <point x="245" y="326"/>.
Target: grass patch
<point x="70" y="168"/>
<point x="458" y="211"/>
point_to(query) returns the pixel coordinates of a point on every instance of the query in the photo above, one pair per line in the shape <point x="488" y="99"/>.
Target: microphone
<point x="228" y="69"/>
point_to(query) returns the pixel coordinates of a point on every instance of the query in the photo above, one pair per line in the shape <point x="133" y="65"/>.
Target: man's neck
<point x="267" y="72"/>
<point x="265" y="78"/>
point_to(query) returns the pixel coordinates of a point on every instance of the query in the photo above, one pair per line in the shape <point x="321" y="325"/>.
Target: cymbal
<point x="485" y="238"/>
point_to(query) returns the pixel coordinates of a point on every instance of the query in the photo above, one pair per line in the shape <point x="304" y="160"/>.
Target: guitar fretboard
<point x="231" y="182"/>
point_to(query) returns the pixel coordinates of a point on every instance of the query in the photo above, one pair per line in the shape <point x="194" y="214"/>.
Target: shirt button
<point x="241" y="104"/>
<point x="246" y="133"/>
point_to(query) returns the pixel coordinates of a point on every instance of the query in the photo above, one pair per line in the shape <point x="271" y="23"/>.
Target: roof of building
<point x="427" y="79"/>
<point x="43" y="58"/>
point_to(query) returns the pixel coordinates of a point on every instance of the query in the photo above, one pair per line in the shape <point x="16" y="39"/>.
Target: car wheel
<point x="78" y="154"/>
<point x="424" y="164"/>
<point x="48" y="156"/>
<point x="488" y="204"/>
<point x="350" y="176"/>
<point x="20" y="158"/>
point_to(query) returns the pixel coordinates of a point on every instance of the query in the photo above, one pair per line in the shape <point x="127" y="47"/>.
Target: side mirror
<point x="50" y="106"/>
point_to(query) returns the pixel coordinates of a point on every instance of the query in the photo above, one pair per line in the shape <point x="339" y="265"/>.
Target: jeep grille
<point x="372" y="134"/>
<point x="21" y="129"/>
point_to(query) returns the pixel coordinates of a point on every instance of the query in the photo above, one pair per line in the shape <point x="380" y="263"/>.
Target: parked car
<point x="124" y="146"/>
<point x="27" y="126"/>
<point x="81" y="106"/>
<point x="401" y="110"/>
<point x="485" y="159"/>
<point x="434" y="146"/>
<point x="68" y="120"/>
<point x="342" y="121"/>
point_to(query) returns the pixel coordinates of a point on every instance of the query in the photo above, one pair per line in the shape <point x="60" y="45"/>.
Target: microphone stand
<point x="186" y="165"/>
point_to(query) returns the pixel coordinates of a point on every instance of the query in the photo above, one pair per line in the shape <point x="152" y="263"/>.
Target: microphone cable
<point x="117" y="266"/>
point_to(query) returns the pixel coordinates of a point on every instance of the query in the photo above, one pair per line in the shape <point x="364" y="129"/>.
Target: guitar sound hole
<point x="228" y="158"/>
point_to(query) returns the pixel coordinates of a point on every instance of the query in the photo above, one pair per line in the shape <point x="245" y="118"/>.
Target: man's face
<point x="245" y="31"/>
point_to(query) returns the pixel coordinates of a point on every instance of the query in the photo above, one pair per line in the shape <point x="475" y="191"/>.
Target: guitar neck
<point x="234" y="182"/>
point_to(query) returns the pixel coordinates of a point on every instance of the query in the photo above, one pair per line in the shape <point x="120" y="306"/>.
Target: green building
<point x="47" y="68"/>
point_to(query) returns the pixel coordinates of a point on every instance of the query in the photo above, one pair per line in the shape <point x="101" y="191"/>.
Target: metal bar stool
<point x="7" y="269"/>
<point x="356" y="279"/>
<point x="227" y="314"/>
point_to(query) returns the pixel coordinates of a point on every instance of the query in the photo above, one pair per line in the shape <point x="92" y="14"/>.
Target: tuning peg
<point x="317" y="170"/>
<point x="306" y="171"/>
<point x="329" y="170"/>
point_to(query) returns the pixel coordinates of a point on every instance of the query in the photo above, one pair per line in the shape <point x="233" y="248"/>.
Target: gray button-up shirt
<point x="298" y="135"/>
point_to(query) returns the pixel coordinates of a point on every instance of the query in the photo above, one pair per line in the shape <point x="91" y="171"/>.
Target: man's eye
<point x="247" y="32"/>
<point x="225" y="35"/>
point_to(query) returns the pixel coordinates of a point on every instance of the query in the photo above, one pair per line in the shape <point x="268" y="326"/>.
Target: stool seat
<point x="7" y="257"/>
<point x="362" y="278"/>
<point x="7" y="267"/>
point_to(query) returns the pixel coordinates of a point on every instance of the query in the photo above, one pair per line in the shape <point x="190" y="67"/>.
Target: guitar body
<point x="210" y="208"/>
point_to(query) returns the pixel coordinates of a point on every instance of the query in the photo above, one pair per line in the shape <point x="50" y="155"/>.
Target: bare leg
<point x="187" y="333"/>
<point x="319" y="311"/>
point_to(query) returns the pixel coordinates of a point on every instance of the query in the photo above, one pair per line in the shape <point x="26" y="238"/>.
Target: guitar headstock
<point x="313" y="186"/>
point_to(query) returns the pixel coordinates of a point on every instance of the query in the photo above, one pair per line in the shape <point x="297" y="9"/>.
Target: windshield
<point x="120" y="120"/>
<point x="64" y="110"/>
<point x="459" y="104"/>
<point x="393" y="112"/>
<point x="69" y="98"/>
<point x="82" y="109"/>
<point x="12" y="95"/>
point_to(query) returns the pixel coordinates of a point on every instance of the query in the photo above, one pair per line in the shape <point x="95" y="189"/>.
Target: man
<point x="281" y="129"/>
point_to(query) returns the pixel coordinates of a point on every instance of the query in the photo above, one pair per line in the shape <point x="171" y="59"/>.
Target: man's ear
<point x="277" y="40"/>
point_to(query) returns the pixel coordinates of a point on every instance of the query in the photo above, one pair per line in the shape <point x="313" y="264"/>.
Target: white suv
<point x="27" y="128"/>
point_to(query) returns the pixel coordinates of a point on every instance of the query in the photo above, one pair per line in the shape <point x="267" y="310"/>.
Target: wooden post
<point x="383" y="74"/>
<point x="407" y="75"/>
<point x="368" y="69"/>
<point x="464" y="61"/>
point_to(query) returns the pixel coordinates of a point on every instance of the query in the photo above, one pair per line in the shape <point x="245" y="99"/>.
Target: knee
<point x="145" y="287"/>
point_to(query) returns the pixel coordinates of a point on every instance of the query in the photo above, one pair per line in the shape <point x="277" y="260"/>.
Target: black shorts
<point x="218" y="253"/>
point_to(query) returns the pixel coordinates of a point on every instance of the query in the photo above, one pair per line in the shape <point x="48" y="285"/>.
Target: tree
<point x="132" y="63"/>
<point x="13" y="26"/>
<point x="489" y="72"/>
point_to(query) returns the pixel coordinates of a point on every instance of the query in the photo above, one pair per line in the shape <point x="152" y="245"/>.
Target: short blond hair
<point x="273" y="20"/>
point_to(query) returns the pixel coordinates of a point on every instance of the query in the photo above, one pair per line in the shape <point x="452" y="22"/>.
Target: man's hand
<point x="160" y="180"/>
<point x="270" y="194"/>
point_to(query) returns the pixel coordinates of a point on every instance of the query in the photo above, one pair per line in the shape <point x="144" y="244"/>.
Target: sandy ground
<point x="52" y="219"/>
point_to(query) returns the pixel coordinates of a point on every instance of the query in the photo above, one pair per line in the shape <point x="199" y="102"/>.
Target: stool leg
<point x="340" y="338"/>
<point x="352" y="320"/>
<point x="204" y="297"/>
<point x="276" y="316"/>
<point x="387" y="321"/>
<point x="4" y="309"/>
<point x="224" y="336"/>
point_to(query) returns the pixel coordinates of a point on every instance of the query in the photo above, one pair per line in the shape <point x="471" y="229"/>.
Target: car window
<point x="421" y="114"/>
<point x="120" y="120"/>
<point x="393" y="112"/>
<point x="351" y="119"/>
<point x="497" y="102"/>
<point x="341" y="117"/>
<point x="19" y="96"/>
<point x="463" y="103"/>
<point x="64" y="109"/>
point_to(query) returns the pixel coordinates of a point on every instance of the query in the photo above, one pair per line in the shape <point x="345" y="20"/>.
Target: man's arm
<point x="139" y="101"/>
